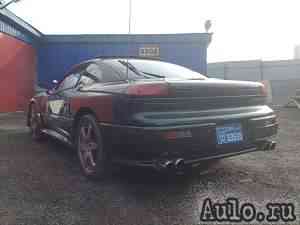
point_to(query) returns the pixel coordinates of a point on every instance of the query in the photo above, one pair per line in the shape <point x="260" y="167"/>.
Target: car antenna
<point x="129" y="34"/>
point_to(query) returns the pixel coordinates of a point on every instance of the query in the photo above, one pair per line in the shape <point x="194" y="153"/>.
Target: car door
<point x="59" y="117"/>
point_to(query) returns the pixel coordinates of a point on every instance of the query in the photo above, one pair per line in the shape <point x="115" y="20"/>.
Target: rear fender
<point x="101" y="105"/>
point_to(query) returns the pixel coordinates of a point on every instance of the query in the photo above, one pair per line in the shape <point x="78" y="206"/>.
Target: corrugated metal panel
<point x="283" y="90"/>
<point x="18" y="28"/>
<point x="10" y="30"/>
<point x="201" y="38"/>
<point x="18" y="22"/>
<point x="256" y="70"/>
<point x="18" y="62"/>
<point x="59" y="52"/>
<point x="17" y="73"/>
<point x="284" y="75"/>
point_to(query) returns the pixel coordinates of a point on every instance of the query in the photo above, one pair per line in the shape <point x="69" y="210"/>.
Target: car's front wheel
<point x="93" y="159"/>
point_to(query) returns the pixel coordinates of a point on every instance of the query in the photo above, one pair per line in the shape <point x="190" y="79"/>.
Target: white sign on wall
<point x="149" y="51"/>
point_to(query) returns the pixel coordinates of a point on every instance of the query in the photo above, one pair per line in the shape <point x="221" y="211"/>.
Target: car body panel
<point x="99" y="103"/>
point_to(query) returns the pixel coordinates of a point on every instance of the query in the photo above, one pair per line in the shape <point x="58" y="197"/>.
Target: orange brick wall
<point x="17" y="73"/>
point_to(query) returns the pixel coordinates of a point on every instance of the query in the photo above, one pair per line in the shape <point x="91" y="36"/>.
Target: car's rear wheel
<point x="35" y="124"/>
<point x="93" y="159"/>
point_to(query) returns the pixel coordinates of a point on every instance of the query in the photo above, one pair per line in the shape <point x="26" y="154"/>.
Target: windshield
<point x="155" y="69"/>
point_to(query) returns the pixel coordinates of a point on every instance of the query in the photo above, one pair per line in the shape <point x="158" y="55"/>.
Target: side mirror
<point x="55" y="83"/>
<point x="51" y="91"/>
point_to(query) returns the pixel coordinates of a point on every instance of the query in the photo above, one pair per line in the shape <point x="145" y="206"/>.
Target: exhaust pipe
<point x="270" y="145"/>
<point x="267" y="146"/>
<point x="273" y="145"/>
<point x="168" y="165"/>
<point x="179" y="164"/>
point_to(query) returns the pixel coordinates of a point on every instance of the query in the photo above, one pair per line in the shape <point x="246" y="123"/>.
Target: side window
<point x="69" y="82"/>
<point x="86" y="80"/>
<point x="103" y="73"/>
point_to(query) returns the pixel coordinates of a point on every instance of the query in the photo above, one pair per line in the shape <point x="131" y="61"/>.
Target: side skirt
<point x="58" y="136"/>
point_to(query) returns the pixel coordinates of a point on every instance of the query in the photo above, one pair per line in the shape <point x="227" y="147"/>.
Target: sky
<point x="242" y="29"/>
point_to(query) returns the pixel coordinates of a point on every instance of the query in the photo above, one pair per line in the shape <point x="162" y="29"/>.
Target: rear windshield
<point x="139" y="68"/>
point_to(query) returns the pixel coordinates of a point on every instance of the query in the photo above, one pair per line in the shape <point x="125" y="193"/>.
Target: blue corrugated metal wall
<point x="58" y="53"/>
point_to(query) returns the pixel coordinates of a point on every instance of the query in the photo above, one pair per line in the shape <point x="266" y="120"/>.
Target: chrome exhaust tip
<point x="273" y="145"/>
<point x="270" y="145"/>
<point x="267" y="146"/>
<point x="179" y="164"/>
<point x="168" y="165"/>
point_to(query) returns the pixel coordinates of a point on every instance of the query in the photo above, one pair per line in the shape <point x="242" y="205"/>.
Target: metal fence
<point x="283" y="75"/>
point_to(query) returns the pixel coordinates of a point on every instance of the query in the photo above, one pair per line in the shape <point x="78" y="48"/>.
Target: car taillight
<point x="177" y="134"/>
<point x="148" y="90"/>
<point x="264" y="89"/>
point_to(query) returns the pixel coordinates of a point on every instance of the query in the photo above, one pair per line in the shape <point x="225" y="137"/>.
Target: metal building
<point x="29" y="57"/>
<point x="18" y="57"/>
<point x="282" y="75"/>
<point x="58" y="52"/>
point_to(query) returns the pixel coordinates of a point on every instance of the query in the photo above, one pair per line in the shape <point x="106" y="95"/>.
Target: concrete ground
<point x="41" y="183"/>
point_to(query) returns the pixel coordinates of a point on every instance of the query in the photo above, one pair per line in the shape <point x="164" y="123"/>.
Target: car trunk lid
<point x="194" y="95"/>
<point x="213" y="88"/>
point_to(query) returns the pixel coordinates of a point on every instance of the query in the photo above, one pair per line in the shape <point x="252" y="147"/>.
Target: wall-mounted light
<point x="4" y="4"/>
<point x="207" y="25"/>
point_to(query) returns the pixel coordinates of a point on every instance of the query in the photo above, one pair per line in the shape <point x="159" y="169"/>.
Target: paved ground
<point x="40" y="183"/>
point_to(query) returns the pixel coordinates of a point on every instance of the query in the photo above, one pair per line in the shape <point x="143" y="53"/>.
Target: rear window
<point x="123" y="70"/>
<point x="103" y="73"/>
<point x="156" y="69"/>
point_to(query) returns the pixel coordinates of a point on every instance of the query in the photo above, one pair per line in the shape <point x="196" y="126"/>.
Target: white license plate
<point x="229" y="134"/>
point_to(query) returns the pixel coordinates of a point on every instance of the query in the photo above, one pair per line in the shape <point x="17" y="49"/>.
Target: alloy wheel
<point x="88" y="147"/>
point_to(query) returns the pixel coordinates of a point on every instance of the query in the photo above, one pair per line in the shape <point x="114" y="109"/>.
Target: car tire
<point x="35" y="125"/>
<point x="93" y="159"/>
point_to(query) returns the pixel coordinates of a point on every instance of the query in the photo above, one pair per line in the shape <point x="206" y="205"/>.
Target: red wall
<point x="17" y="73"/>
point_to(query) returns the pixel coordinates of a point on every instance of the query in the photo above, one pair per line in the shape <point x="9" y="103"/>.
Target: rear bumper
<point x="158" y="164"/>
<point x="149" y="145"/>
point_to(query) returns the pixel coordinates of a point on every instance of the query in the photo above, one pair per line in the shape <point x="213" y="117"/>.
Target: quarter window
<point x="86" y="80"/>
<point x="69" y="82"/>
<point x="103" y="73"/>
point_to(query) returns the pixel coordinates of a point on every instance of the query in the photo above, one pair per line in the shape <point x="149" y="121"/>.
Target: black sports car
<point x="149" y="113"/>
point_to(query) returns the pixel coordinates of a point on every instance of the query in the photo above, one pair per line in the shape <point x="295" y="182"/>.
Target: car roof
<point x="128" y="57"/>
<point x="104" y="58"/>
